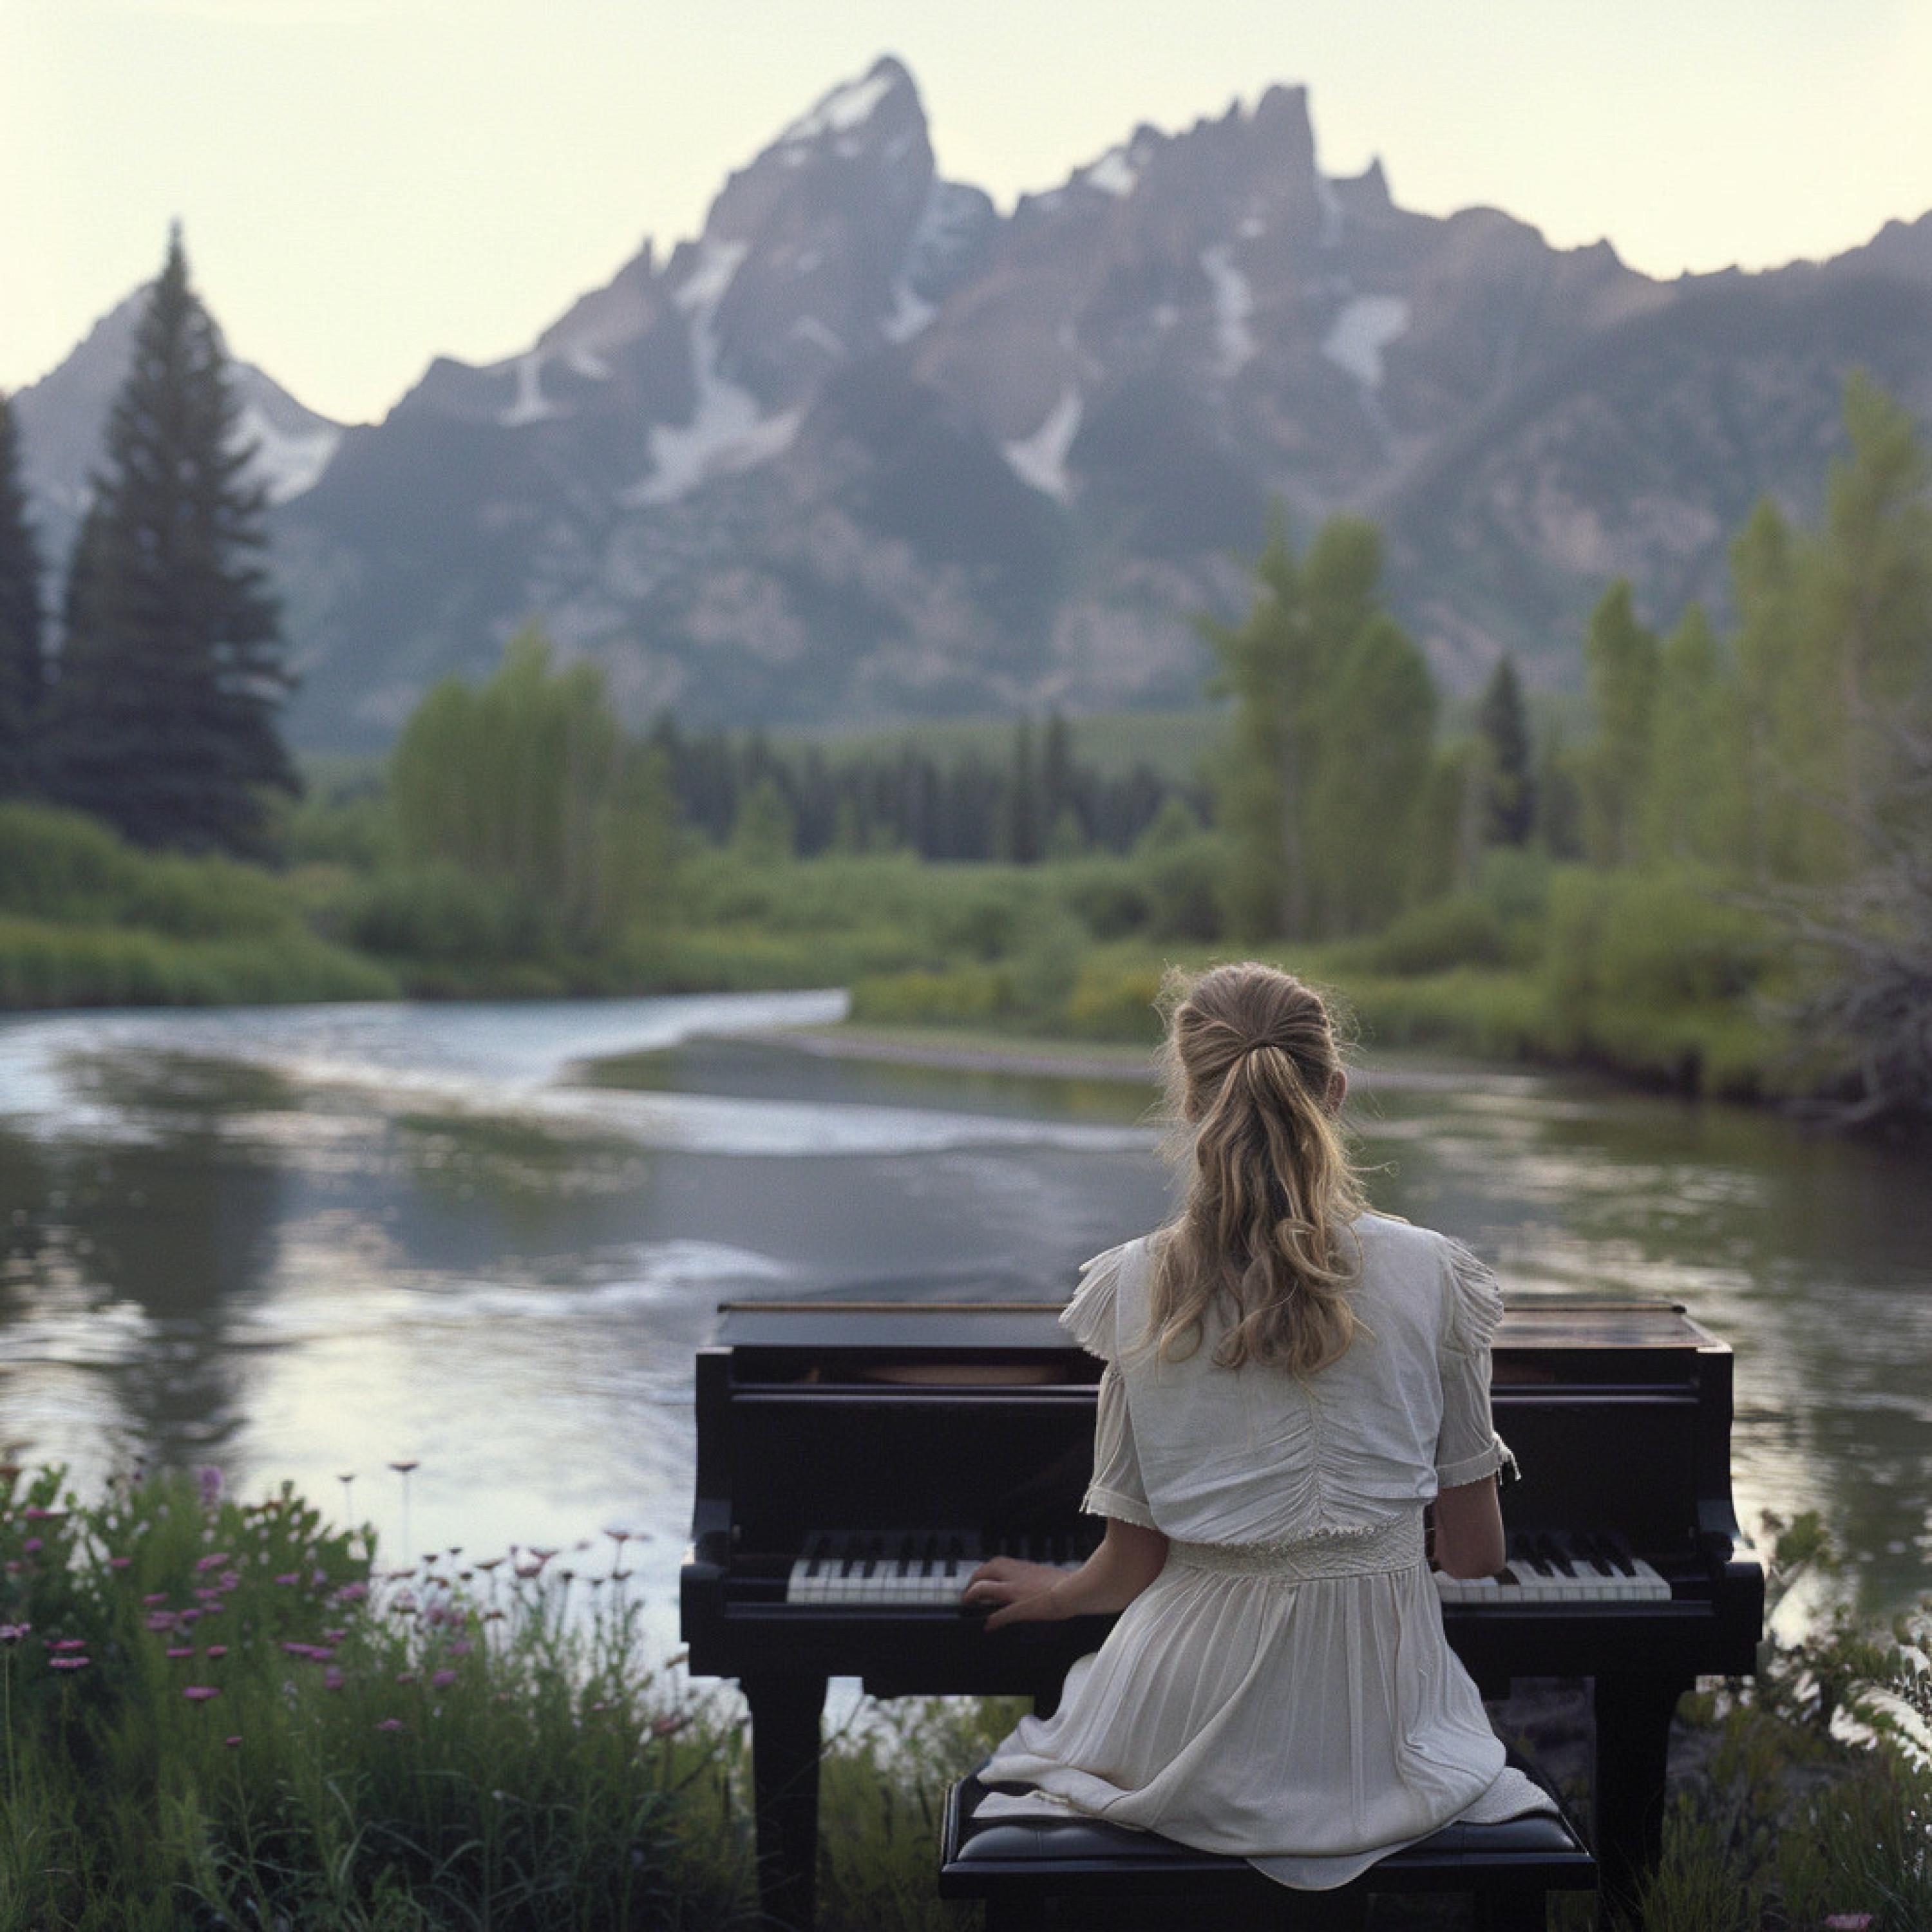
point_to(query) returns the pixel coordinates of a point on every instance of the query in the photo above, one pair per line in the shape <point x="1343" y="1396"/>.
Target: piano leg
<point x="785" y="1712"/>
<point x="1633" y="1713"/>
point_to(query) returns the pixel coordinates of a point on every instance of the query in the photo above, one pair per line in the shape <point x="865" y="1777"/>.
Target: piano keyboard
<point x="925" y="1569"/>
<point x="1546" y="1568"/>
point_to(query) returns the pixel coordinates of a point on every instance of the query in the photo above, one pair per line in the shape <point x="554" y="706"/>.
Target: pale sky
<point x="366" y="183"/>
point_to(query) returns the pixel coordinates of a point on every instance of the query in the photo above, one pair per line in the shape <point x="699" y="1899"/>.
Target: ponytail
<point x="1266" y="1230"/>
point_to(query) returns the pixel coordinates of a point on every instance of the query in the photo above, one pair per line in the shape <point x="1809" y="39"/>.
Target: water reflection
<point x="310" y="1243"/>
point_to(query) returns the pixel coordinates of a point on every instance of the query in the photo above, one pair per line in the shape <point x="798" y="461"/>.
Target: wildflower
<point x="334" y="1635"/>
<point x="210" y="1480"/>
<point x="406" y="1677"/>
<point x="34" y="1513"/>
<point x="462" y="1647"/>
<point x="119" y="1562"/>
<point x="390" y="1724"/>
<point x="213" y="1562"/>
<point x="68" y="1643"/>
<point x="13" y="1633"/>
<point x="217" y="1650"/>
<point x="66" y="1663"/>
<point x="441" y="1679"/>
<point x="669" y="1727"/>
<point x="159" y="1597"/>
<point x="351" y="1593"/>
<point x="332" y="1678"/>
<point x="199" y="1694"/>
<point x="181" y="1650"/>
<point x="231" y="1741"/>
<point x="1849" y="1921"/>
<point x="161" y="1620"/>
<point x="290" y="1576"/>
<point x="32" y="1546"/>
<point x="231" y="1580"/>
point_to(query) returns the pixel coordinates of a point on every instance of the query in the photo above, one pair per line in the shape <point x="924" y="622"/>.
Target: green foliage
<point x="528" y="787"/>
<point x="1656" y="974"/>
<point x="1695" y="807"/>
<point x="1503" y="726"/>
<point x="1333" y="711"/>
<point x="764" y="833"/>
<point x="1462" y="931"/>
<point x="163" y="721"/>
<point x="211" y="1711"/>
<point x="1621" y="658"/>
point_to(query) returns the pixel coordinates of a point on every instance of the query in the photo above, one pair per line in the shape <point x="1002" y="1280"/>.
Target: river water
<point x="312" y="1243"/>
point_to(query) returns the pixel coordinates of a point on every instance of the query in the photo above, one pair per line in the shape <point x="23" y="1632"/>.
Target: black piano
<point x="855" y="1459"/>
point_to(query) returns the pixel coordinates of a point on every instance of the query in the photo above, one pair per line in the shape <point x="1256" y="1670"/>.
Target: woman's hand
<point x="1129" y="1558"/>
<point x="1016" y="1592"/>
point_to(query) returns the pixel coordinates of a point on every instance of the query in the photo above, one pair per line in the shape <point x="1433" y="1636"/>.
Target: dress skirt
<point x="1294" y="1704"/>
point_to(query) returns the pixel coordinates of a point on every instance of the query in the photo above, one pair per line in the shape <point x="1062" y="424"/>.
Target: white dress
<point x="1283" y="1691"/>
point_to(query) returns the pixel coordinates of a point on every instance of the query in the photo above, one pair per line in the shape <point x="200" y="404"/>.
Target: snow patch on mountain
<point x="1113" y="173"/>
<point x="529" y="404"/>
<point x="1040" y="459"/>
<point x="841" y="110"/>
<point x="1234" y="303"/>
<point x="1365" y="327"/>
<point x="726" y="433"/>
<point x="910" y="314"/>
<point x="287" y="462"/>
<point x="809" y="329"/>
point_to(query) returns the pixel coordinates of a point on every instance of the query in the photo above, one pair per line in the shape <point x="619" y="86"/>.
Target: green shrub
<point x="1463" y="930"/>
<point x="440" y="912"/>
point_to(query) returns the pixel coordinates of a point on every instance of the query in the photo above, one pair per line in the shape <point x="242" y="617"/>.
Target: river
<point x="314" y="1243"/>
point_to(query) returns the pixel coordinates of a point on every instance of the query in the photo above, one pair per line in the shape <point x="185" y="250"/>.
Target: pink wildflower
<point x="159" y="1597"/>
<point x="66" y="1663"/>
<point x="211" y="1562"/>
<point x="13" y="1633"/>
<point x="218" y="1650"/>
<point x="181" y="1650"/>
<point x="199" y="1694"/>
<point x="161" y="1620"/>
<point x="390" y="1724"/>
<point x="439" y="1679"/>
<point x="331" y="1678"/>
<point x="33" y="1545"/>
<point x="118" y="1562"/>
<point x="290" y="1576"/>
<point x="1849" y="1921"/>
<point x="68" y="1643"/>
<point x="462" y="1647"/>
<point x="351" y="1593"/>
<point x="231" y="1741"/>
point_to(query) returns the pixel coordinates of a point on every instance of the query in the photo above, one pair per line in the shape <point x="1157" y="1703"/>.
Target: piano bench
<point x="1034" y="1874"/>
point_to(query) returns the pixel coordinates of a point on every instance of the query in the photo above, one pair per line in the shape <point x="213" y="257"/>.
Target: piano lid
<point x="969" y="1326"/>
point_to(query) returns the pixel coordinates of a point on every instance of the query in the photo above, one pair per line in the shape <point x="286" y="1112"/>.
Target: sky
<point x="367" y="184"/>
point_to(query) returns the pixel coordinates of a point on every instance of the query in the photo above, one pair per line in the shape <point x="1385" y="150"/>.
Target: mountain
<point x="62" y="418"/>
<point x="866" y="448"/>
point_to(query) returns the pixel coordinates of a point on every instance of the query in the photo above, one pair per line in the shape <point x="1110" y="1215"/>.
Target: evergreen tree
<point x="171" y="670"/>
<point x="1019" y="836"/>
<point x="23" y="672"/>
<point x="1621" y="657"/>
<point x="1511" y="805"/>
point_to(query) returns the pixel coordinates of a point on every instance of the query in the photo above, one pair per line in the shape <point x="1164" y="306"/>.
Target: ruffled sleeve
<point x="1089" y="1317"/>
<point x="1117" y="1489"/>
<point x="1467" y="1446"/>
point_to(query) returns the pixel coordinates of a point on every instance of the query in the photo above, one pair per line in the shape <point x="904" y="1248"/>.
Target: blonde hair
<point x="1266" y="1230"/>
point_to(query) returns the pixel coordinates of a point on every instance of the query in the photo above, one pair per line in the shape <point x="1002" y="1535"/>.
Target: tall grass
<point x="215" y="1714"/>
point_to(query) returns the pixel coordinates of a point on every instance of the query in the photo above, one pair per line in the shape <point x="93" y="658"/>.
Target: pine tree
<point x="171" y="670"/>
<point x="1511" y="805"/>
<point x="22" y="673"/>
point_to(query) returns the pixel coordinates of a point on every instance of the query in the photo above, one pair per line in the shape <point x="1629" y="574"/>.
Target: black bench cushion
<point x="1540" y="1843"/>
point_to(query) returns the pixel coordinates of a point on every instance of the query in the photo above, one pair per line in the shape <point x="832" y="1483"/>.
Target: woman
<point x="1289" y="1379"/>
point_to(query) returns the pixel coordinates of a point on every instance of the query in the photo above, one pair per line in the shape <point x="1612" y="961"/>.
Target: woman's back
<point x="1258" y="1455"/>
